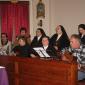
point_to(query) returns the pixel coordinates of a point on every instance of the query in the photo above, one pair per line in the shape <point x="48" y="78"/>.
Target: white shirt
<point x="38" y="38"/>
<point x="82" y="36"/>
<point x="45" y="47"/>
<point x="58" y="36"/>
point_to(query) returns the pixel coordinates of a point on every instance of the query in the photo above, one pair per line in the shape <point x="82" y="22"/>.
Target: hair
<point x="23" y="38"/>
<point x="4" y="34"/>
<point x="46" y="37"/>
<point x="23" y="29"/>
<point x="63" y="31"/>
<point x="75" y="36"/>
<point x="42" y="31"/>
<point x="6" y="37"/>
<point x="81" y="26"/>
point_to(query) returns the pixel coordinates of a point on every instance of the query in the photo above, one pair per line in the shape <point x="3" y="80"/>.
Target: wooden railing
<point x="29" y="71"/>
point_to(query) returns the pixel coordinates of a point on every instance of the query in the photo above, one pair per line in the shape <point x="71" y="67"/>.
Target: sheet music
<point x="41" y="52"/>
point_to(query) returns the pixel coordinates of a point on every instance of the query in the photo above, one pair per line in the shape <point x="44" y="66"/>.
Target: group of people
<point x="23" y="46"/>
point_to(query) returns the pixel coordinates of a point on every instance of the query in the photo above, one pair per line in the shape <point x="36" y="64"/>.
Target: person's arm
<point x="9" y="47"/>
<point x="33" y="53"/>
<point x="53" y="39"/>
<point x="14" y="51"/>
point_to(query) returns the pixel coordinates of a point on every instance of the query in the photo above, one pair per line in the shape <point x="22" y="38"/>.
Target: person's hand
<point x="33" y="56"/>
<point x="79" y="66"/>
<point x="64" y="58"/>
<point x="56" y="47"/>
<point x="12" y="54"/>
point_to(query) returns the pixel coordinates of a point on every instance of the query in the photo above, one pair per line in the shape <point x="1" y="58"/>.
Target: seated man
<point x="78" y="51"/>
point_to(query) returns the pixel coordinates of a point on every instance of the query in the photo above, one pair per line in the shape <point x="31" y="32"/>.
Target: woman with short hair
<point x="23" y="49"/>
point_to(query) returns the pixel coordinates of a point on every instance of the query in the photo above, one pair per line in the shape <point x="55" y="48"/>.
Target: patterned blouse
<point x="79" y="53"/>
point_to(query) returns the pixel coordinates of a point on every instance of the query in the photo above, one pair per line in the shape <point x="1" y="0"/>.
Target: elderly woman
<point x="60" y="39"/>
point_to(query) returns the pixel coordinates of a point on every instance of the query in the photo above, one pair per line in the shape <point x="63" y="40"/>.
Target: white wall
<point x="68" y="13"/>
<point x="46" y="21"/>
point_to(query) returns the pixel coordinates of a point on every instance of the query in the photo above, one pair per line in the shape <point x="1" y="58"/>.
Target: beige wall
<point x="46" y="21"/>
<point x="68" y="13"/>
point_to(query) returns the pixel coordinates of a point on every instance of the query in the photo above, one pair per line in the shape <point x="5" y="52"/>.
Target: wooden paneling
<point x="28" y="71"/>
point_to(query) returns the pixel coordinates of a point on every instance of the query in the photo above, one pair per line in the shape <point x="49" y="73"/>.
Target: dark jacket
<point x="62" y="42"/>
<point x="51" y="51"/>
<point x="83" y="40"/>
<point x="22" y="51"/>
<point x="35" y="42"/>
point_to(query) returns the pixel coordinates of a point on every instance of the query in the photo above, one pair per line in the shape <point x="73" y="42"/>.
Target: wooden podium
<point x="29" y="71"/>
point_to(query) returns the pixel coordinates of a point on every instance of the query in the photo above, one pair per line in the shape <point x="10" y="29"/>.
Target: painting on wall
<point x="40" y="9"/>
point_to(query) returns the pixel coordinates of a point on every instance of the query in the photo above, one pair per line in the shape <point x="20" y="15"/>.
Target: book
<point x="41" y="52"/>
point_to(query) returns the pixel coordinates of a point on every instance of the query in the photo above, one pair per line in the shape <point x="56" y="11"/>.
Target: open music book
<point x="41" y="52"/>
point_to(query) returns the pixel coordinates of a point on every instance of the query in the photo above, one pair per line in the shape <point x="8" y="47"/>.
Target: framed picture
<point x="40" y="9"/>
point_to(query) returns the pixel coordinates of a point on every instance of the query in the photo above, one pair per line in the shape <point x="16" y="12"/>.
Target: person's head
<point x="75" y="41"/>
<point x="81" y="29"/>
<point x="45" y="41"/>
<point x="40" y="32"/>
<point x="22" y="41"/>
<point x="4" y="38"/>
<point x="60" y="30"/>
<point x="23" y="31"/>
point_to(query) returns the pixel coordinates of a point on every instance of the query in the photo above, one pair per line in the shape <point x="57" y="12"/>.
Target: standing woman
<point x="81" y="29"/>
<point x="60" y="39"/>
<point x="37" y="41"/>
